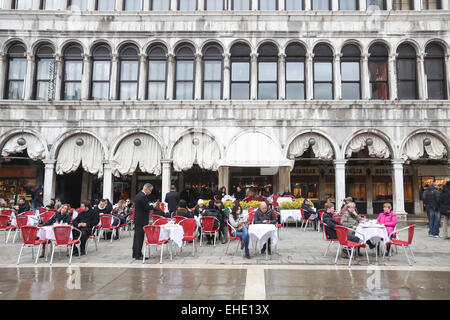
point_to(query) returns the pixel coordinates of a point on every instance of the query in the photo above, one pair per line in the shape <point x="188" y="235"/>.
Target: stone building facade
<point x="250" y="86"/>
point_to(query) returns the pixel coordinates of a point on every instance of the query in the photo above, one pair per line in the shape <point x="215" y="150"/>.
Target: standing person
<point x="37" y="201"/>
<point x="172" y="198"/>
<point x="431" y="201"/>
<point x="445" y="208"/>
<point x="85" y="221"/>
<point x="141" y="218"/>
<point x="265" y="215"/>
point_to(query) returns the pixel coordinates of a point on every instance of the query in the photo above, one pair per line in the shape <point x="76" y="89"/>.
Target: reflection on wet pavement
<point x="370" y="284"/>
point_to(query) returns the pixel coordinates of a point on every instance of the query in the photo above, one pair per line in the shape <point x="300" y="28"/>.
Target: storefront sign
<point x="433" y="171"/>
<point x="355" y="171"/>
<point x="305" y="171"/>
<point x="382" y="171"/>
<point x="18" y="172"/>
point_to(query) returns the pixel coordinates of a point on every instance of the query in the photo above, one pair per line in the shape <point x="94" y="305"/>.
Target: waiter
<point x="141" y="218"/>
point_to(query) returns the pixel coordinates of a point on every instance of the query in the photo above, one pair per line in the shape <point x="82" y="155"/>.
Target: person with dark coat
<point x="63" y="215"/>
<point x="444" y="207"/>
<point x="103" y="207"/>
<point x="431" y="200"/>
<point x="85" y="221"/>
<point x="239" y="194"/>
<point x="183" y="211"/>
<point x="159" y="212"/>
<point x="141" y="218"/>
<point x="172" y="198"/>
<point x="22" y="206"/>
<point x="37" y="200"/>
<point x="309" y="211"/>
<point x="286" y="192"/>
<point x="265" y="215"/>
<point x="222" y="193"/>
<point x="215" y="210"/>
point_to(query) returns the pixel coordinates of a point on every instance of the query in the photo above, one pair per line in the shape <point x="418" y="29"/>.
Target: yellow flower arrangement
<point x="295" y="204"/>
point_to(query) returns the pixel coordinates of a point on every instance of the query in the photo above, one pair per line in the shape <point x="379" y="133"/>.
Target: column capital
<point x="340" y="161"/>
<point x="421" y="57"/>
<point x="114" y="57"/>
<point x="3" y="56"/>
<point x="337" y="56"/>
<point x="254" y="56"/>
<point x="393" y="57"/>
<point x="170" y="57"/>
<point x="49" y="163"/>
<point x="30" y="56"/>
<point x="365" y="56"/>
<point x="58" y="57"/>
<point x="198" y="57"/>
<point x="397" y="162"/>
<point x="281" y="56"/>
<point x="86" y="57"/>
<point x="167" y="161"/>
<point x="226" y="55"/>
<point x="142" y="57"/>
<point x="309" y="55"/>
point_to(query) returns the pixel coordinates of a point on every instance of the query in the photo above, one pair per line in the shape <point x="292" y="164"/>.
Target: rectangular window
<point x="100" y="80"/>
<point x="23" y="4"/>
<point x="133" y="5"/>
<point x="16" y="77"/>
<point x="44" y="75"/>
<point x="156" y="80"/>
<point x="378" y="79"/>
<point x="187" y="5"/>
<point x="212" y="83"/>
<point x="72" y="80"/>
<point x="350" y="85"/>
<point x="52" y="4"/>
<point x="161" y="5"/>
<point x="185" y="80"/>
<point x="376" y="4"/>
<point x="105" y="5"/>
<point x="323" y="80"/>
<point x="431" y="4"/>
<point x="435" y="71"/>
<point x="267" y="80"/>
<point x="241" y="5"/>
<point x="268" y="5"/>
<point x="348" y="4"/>
<point x="406" y="78"/>
<point x="294" y="4"/>
<point x="402" y="5"/>
<point x="240" y="80"/>
<point x="320" y="5"/>
<point x="129" y="75"/>
<point x="78" y="5"/>
<point x="214" y="4"/>
<point x="295" y="80"/>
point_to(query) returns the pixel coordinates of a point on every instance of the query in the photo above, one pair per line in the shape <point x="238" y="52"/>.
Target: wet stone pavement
<point x="297" y="270"/>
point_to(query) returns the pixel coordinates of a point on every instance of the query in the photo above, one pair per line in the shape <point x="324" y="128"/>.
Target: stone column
<point x="337" y="76"/>
<point x="254" y="76"/>
<point x="416" y="190"/>
<point x="107" y="181"/>
<point x="362" y="5"/>
<point x="201" y="5"/>
<point x="254" y="7"/>
<point x="119" y="7"/>
<point x="397" y="188"/>
<point x="322" y="184"/>
<point x="28" y="91"/>
<point x="58" y="76"/>
<point x="133" y="186"/>
<point x="369" y="189"/>
<point x="49" y="175"/>
<point x="418" y="5"/>
<point x="444" y="6"/>
<point x="421" y="77"/>
<point x="226" y="76"/>
<point x="309" y="77"/>
<point x="388" y="5"/>
<point x="63" y="5"/>
<point x="7" y="4"/>
<point x="170" y="75"/>
<point x="198" y="77"/>
<point x="284" y="178"/>
<point x="224" y="178"/>
<point x="85" y="184"/>
<point x="165" y="179"/>
<point x="365" y="81"/>
<point x="146" y="5"/>
<point x="86" y="77"/>
<point x="3" y="75"/>
<point x="281" y="5"/>
<point x="308" y="5"/>
<point x="447" y="70"/>
<point x="339" y="175"/>
<point x="180" y="181"/>
<point x="142" y="76"/>
<point x="113" y="95"/>
<point x="173" y="5"/>
<point x="36" y="5"/>
<point x="91" y="5"/>
<point x="282" y="76"/>
<point x="334" y="5"/>
<point x="392" y="77"/>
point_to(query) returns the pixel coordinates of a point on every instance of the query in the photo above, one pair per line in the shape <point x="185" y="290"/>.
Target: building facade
<point x="339" y="98"/>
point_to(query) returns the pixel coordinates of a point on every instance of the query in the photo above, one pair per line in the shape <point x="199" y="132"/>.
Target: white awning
<point x="415" y="148"/>
<point x="128" y="155"/>
<point x="35" y="148"/>
<point x="378" y="149"/>
<point x="322" y="148"/>
<point x="255" y="149"/>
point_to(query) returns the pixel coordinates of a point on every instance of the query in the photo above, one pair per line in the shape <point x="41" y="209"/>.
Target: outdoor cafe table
<point x="32" y="220"/>
<point x="172" y="232"/>
<point x="295" y="214"/>
<point x="47" y="233"/>
<point x="373" y="232"/>
<point x="261" y="233"/>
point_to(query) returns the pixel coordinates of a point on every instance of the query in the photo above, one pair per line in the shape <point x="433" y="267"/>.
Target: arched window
<point x="294" y="5"/>
<point x="101" y="69"/>
<point x="16" y="71"/>
<point x="52" y="4"/>
<point x="160" y="5"/>
<point x="402" y="4"/>
<point x="348" y="5"/>
<point x="265" y="5"/>
<point x="45" y="73"/>
<point x="73" y="72"/>
<point x="323" y="72"/>
<point x="435" y="72"/>
<point x="406" y="72"/>
<point x="106" y="5"/>
<point x="378" y="72"/>
<point x="240" y="71"/>
<point x="184" y="76"/>
<point x="321" y="4"/>
<point x="214" y="4"/>
<point x="212" y="72"/>
<point x="132" y="5"/>
<point x="431" y="4"/>
<point x="22" y="4"/>
<point x="350" y="73"/>
<point x="376" y="5"/>
<point x="157" y="65"/>
<point x="267" y="72"/>
<point x="78" y="5"/>
<point x="187" y="5"/>
<point x="129" y="73"/>
<point x="241" y="5"/>
<point x="295" y="72"/>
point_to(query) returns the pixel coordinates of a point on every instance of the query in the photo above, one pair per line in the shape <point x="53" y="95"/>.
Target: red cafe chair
<point x="342" y="235"/>
<point x="305" y="221"/>
<point x="231" y="231"/>
<point x="161" y="221"/>
<point x="404" y="244"/>
<point x="21" y="221"/>
<point x="4" y="219"/>
<point x="107" y="221"/>
<point x="62" y="238"/>
<point x="178" y="218"/>
<point x="189" y="227"/>
<point x="29" y="240"/>
<point x="152" y="234"/>
<point x="207" y="223"/>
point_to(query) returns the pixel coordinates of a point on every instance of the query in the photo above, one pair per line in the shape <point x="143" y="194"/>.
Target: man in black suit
<point x="141" y="218"/>
<point x="85" y="221"/>
<point x="172" y="198"/>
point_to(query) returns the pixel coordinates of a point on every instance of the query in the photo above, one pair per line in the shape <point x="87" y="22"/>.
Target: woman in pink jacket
<point x="389" y="219"/>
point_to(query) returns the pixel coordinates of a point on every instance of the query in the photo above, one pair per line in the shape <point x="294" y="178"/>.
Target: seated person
<point x="286" y="192"/>
<point x="182" y="210"/>
<point x="351" y="219"/>
<point x="51" y="205"/>
<point x="85" y="221"/>
<point x="215" y="210"/>
<point x="22" y="206"/>
<point x="330" y="226"/>
<point x="122" y="211"/>
<point x="63" y="215"/>
<point x="157" y="210"/>
<point x="102" y="207"/>
<point x="389" y="219"/>
<point x="241" y="226"/>
<point x="239" y="194"/>
<point x="199" y="208"/>
<point x="310" y="213"/>
<point x="265" y="215"/>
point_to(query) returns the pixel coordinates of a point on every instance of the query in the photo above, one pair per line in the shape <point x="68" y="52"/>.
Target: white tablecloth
<point x="47" y="233"/>
<point x="283" y="199"/>
<point x="295" y="214"/>
<point x="262" y="232"/>
<point x="32" y="220"/>
<point x="374" y="234"/>
<point x="172" y="232"/>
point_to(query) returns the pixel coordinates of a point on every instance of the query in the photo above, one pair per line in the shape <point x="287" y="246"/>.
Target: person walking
<point x="141" y="218"/>
<point x="444" y="206"/>
<point x="431" y="200"/>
